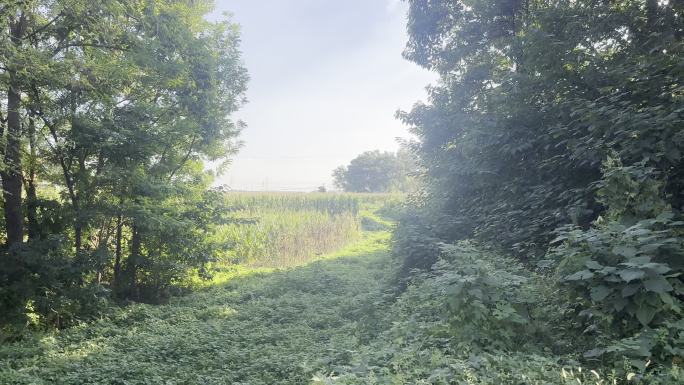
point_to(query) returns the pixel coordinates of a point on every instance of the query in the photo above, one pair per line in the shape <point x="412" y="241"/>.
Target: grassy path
<point x="261" y="328"/>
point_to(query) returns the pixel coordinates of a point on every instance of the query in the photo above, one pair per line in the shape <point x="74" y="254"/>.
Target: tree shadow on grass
<point x="277" y="327"/>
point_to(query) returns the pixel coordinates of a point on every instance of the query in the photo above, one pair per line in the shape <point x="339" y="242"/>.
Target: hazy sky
<point x="326" y="79"/>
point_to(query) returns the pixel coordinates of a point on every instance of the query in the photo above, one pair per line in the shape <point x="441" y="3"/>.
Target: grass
<point x="256" y="326"/>
<point x="287" y="229"/>
<point x="367" y="242"/>
<point x="335" y="320"/>
<point x="332" y="321"/>
<point x="277" y="309"/>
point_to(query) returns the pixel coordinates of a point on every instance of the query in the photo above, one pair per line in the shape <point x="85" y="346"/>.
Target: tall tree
<point x="533" y="96"/>
<point x="112" y="106"/>
<point x="11" y="172"/>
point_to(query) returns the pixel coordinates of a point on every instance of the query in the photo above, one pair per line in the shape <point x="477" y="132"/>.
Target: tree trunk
<point x="11" y="174"/>
<point x="31" y="195"/>
<point x="78" y="233"/>
<point x="117" y="253"/>
<point x="132" y="264"/>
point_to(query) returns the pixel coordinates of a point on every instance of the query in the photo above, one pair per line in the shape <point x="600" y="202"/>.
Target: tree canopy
<point x="555" y="132"/>
<point x="109" y="110"/>
<point x="376" y="171"/>
<point x="533" y="97"/>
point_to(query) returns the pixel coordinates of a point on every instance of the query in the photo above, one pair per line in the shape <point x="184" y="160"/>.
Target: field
<point x="287" y="229"/>
<point x="261" y="327"/>
<point x="526" y="227"/>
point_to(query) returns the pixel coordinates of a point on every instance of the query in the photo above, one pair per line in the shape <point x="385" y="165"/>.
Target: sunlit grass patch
<point x="251" y="326"/>
<point x="368" y="243"/>
<point x="277" y="230"/>
<point x="216" y="312"/>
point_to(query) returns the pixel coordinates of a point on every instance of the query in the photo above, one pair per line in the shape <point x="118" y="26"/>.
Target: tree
<point x="111" y="108"/>
<point x="375" y="171"/>
<point x="526" y="110"/>
<point x="555" y="132"/>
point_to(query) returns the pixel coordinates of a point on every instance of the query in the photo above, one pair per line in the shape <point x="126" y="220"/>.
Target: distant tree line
<point x="108" y="110"/>
<point x="376" y="171"/>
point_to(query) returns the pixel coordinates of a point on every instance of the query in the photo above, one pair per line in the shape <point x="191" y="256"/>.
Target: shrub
<point x="42" y="285"/>
<point x="476" y="318"/>
<point x="626" y="269"/>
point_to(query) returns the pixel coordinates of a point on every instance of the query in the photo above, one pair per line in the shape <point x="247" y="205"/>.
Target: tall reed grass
<point x="286" y="229"/>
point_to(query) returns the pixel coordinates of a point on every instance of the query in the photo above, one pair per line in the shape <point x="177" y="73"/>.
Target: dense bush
<point x="44" y="286"/>
<point x="109" y="110"/>
<point x="478" y="318"/>
<point x="626" y="269"/>
<point x="532" y="98"/>
<point x="558" y="119"/>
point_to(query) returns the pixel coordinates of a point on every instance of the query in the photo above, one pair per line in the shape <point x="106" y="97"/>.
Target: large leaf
<point x="580" y="275"/>
<point x="645" y="314"/>
<point x="657" y="285"/>
<point x="593" y="265"/>
<point x="629" y="275"/>
<point x="630" y="290"/>
<point x="599" y="293"/>
<point x="625" y="251"/>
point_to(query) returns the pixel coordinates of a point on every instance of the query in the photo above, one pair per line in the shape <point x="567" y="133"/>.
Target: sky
<point x="326" y="78"/>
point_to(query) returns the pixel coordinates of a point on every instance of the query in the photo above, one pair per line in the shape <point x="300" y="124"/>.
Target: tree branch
<point x="185" y="159"/>
<point x="41" y="29"/>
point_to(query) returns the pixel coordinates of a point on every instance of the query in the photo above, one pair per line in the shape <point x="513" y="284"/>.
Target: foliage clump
<point x="109" y="110"/>
<point x="626" y="269"/>
<point x="479" y="317"/>
<point x="376" y="172"/>
<point x="261" y="327"/>
<point x="532" y="98"/>
<point x="555" y="133"/>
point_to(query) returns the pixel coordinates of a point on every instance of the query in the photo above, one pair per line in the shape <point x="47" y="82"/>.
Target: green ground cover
<point x="477" y="318"/>
<point x="262" y="326"/>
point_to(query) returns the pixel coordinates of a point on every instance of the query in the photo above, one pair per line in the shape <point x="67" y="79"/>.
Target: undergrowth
<point x="477" y="318"/>
<point x="257" y="327"/>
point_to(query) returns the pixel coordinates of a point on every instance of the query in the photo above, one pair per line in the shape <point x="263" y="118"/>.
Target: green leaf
<point x="667" y="299"/>
<point x="645" y="314"/>
<point x="580" y="275"/>
<point x="638" y="261"/>
<point x="625" y="251"/>
<point x="658" y="268"/>
<point x="455" y="289"/>
<point x="599" y="293"/>
<point x="629" y="290"/>
<point x="657" y="285"/>
<point x="629" y="275"/>
<point x="558" y="239"/>
<point x="619" y="304"/>
<point x="596" y="352"/>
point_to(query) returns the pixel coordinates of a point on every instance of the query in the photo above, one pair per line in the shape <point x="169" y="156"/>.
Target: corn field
<point x="287" y="229"/>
